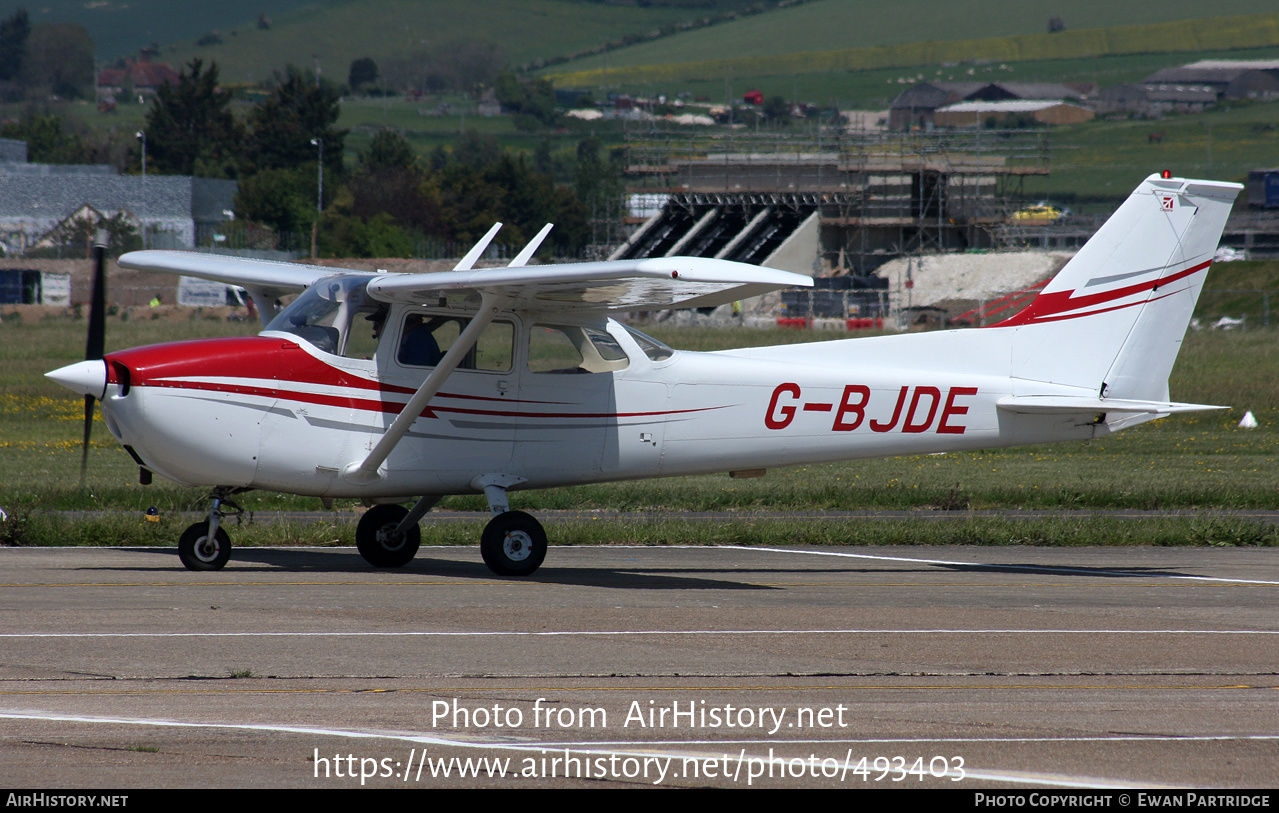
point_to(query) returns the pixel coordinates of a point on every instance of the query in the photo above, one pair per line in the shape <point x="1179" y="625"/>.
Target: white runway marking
<point x="651" y="749"/>
<point x="1042" y="568"/>
<point x="589" y="633"/>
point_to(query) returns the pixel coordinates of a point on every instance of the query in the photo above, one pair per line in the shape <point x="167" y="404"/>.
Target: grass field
<point x="875" y="88"/>
<point x="333" y="34"/>
<point x="834" y="25"/>
<point x="336" y="32"/>
<point x="1094" y="162"/>
<point x="1200" y="462"/>
<point x="785" y="57"/>
<point x="123" y="27"/>
<point x="1105" y="158"/>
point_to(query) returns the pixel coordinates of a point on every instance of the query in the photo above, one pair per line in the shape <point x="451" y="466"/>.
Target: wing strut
<point x="366" y="471"/>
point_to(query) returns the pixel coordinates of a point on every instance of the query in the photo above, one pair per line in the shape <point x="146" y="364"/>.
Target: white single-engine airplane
<point x="391" y="387"/>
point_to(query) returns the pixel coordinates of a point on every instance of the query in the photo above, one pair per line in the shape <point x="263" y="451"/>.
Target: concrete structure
<point x="823" y="203"/>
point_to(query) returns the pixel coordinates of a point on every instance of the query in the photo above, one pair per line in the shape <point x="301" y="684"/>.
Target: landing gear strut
<point x="513" y="543"/>
<point x="205" y="545"/>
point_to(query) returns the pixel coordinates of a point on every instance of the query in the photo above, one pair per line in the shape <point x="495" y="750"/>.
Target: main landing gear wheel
<point x="513" y="544"/>
<point x="377" y="541"/>
<point x="199" y="551"/>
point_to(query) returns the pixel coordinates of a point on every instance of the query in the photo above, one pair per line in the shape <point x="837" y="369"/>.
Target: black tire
<point x="198" y="552"/>
<point x="513" y="544"/>
<point x="378" y="546"/>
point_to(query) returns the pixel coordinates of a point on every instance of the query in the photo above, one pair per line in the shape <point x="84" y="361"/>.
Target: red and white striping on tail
<point x="1113" y="319"/>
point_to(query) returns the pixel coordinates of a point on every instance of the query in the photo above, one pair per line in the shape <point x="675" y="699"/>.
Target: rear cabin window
<point x="655" y="350"/>
<point x="569" y="349"/>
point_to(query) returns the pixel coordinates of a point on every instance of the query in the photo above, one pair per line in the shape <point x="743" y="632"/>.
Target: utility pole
<point x="142" y="137"/>
<point x="319" y="195"/>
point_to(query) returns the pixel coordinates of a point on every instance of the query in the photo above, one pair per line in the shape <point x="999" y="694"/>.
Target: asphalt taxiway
<point x="798" y="667"/>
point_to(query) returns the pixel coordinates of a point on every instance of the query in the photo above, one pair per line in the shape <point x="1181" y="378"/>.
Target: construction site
<point x="836" y="207"/>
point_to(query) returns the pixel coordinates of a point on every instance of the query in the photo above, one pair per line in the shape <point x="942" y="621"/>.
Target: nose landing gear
<point x="205" y="545"/>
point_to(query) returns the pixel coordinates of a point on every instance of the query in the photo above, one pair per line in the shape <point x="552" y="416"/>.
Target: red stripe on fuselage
<point x="263" y="357"/>
<point x="395" y="407"/>
<point x="254" y="357"/>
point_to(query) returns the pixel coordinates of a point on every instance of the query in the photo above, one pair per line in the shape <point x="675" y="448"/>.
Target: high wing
<point x="265" y="280"/>
<point x="274" y="275"/>
<point x="621" y="285"/>
<point x="625" y="285"/>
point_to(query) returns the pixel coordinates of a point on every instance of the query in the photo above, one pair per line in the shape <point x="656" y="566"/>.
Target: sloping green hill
<point x="805" y="36"/>
<point x="832" y="25"/>
<point x="339" y="31"/>
<point x="122" y="27"/>
<point x="1183" y="36"/>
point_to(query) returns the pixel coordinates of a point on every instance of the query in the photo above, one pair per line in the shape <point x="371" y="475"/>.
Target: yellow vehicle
<point x="1039" y="213"/>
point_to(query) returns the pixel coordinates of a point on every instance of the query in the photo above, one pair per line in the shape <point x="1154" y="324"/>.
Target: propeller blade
<point x="95" y="345"/>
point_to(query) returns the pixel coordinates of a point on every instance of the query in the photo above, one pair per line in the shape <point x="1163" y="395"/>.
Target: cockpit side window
<point x="365" y="331"/>
<point x="426" y="337"/>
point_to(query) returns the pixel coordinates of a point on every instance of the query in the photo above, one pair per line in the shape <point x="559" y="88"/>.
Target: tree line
<point x="390" y="200"/>
<point x="388" y="203"/>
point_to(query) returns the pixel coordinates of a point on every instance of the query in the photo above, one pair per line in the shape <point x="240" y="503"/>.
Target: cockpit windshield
<point x="326" y="315"/>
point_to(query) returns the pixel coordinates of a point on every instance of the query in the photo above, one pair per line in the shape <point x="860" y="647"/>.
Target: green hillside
<point x="874" y="89"/>
<point x="123" y="27"/>
<point x="1105" y="159"/>
<point x="334" y="33"/>
<point x="836" y="25"/>
<point x="1192" y="35"/>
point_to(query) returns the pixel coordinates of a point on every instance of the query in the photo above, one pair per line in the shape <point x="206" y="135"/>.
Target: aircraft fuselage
<point x="275" y="412"/>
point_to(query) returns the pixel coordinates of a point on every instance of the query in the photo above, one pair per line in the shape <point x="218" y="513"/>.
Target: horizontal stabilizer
<point x="1072" y="404"/>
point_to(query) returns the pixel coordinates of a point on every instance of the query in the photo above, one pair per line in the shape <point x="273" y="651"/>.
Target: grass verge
<point x="1208" y="528"/>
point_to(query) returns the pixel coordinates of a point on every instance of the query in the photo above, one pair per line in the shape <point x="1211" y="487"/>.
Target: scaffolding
<point x="879" y="195"/>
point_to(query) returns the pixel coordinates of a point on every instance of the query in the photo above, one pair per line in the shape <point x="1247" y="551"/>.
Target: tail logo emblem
<point x="1167" y="202"/>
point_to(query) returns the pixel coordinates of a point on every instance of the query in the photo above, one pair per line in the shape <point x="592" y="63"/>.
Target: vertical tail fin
<point x="1113" y="319"/>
